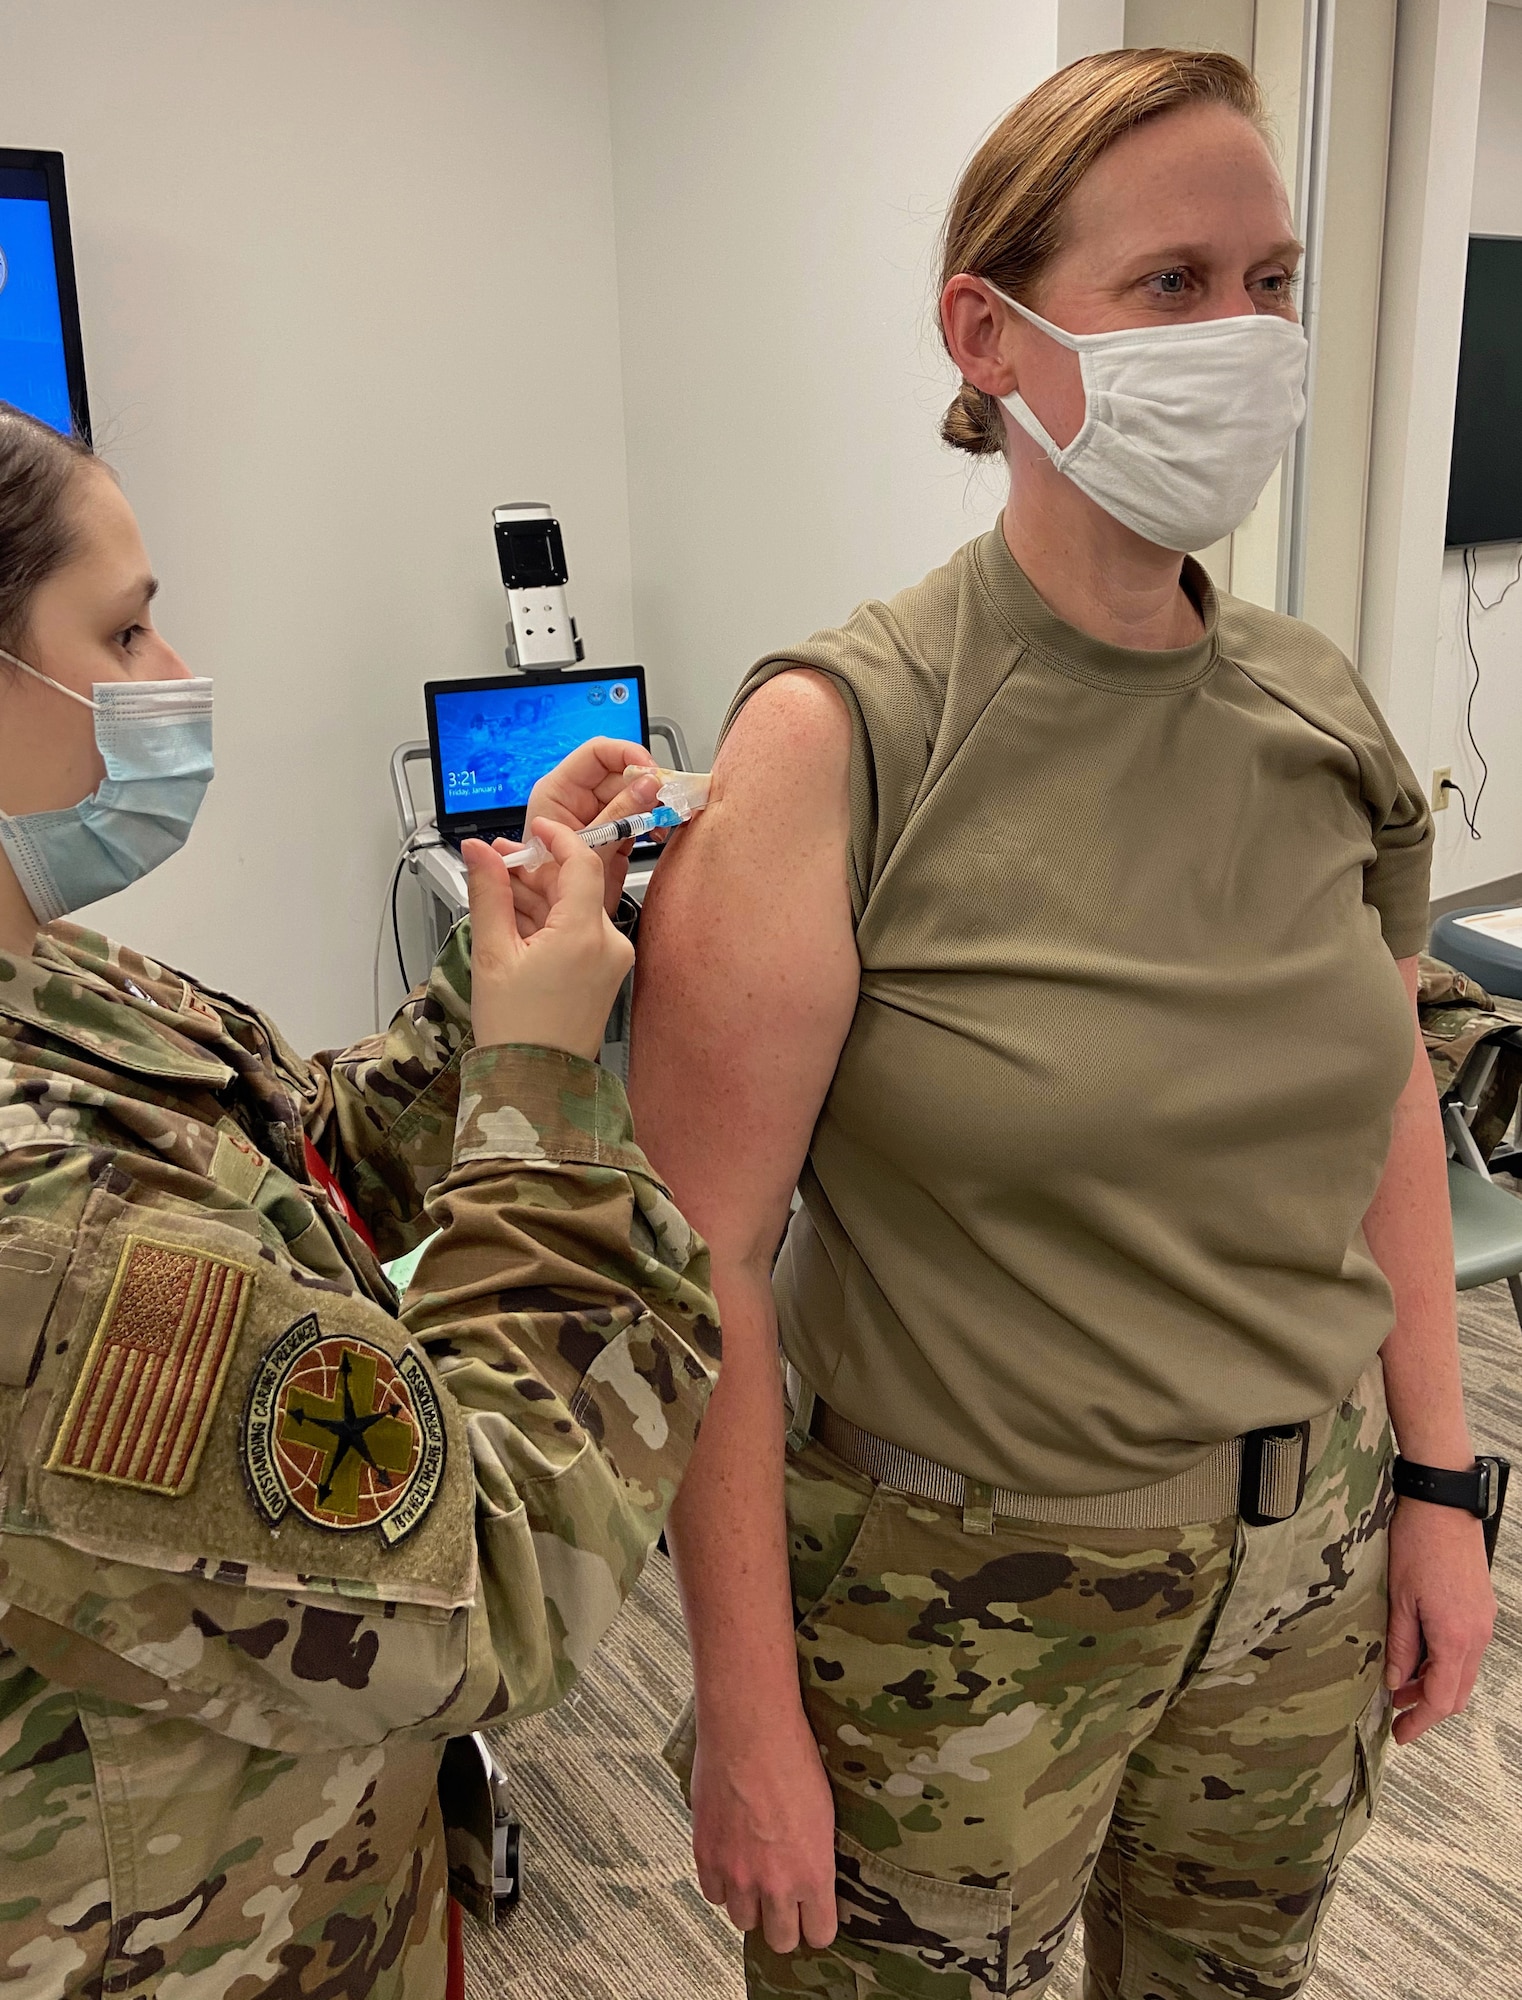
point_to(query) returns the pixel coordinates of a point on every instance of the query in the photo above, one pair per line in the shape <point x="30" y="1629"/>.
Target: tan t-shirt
<point x="1086" y="1194"/>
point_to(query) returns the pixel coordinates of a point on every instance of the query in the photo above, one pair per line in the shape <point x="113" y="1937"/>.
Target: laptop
<point x="491" y="739"/>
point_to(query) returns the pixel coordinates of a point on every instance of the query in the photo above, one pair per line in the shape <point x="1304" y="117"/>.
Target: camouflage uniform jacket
<point x="259" y="1558"/>
<point x="1458" y="1017"/>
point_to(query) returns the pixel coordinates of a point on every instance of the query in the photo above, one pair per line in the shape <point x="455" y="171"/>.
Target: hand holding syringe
<point x="546" y="962"/>
<point x="682" y="794"/>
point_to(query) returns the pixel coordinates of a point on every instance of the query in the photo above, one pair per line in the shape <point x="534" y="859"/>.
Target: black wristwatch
<point x="1481" y="1491"/>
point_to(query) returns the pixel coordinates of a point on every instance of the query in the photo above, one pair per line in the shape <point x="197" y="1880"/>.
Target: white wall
<point x="1496" y="209"/>
<point x="1439" y="46"/>
<point x="782" y="171"/>
<point x="1086" y="27"/>
<point x="346" y="277"/>
<point x="1460" y="862"/>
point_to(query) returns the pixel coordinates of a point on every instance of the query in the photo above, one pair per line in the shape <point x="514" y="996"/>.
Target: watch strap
<point x="1473" y="1491"/>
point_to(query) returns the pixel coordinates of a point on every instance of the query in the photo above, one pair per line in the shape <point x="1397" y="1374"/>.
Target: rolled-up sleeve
<point x="1398" y="882"/>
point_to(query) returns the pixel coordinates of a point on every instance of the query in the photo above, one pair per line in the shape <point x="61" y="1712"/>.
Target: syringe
<point x="682" y="794"/>
<point x="534" y="850"/>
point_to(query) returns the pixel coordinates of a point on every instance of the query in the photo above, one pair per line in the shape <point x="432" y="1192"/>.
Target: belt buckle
<point x="802" y="1410"/>
<point x="1270" y="1465"/>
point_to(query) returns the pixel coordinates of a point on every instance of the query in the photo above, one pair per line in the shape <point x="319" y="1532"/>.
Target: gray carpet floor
<point x="1431" y="1903"/>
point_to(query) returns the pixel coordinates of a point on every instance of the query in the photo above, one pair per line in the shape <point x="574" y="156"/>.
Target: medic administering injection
<point x="270" y="1534"/>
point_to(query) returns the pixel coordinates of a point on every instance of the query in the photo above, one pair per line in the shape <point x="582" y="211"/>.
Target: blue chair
<point x="1487" y="1219"/>
<point x="1496" y="964"/>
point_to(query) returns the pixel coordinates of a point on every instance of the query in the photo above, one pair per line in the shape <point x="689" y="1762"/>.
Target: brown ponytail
<point x="1005" y="219"/>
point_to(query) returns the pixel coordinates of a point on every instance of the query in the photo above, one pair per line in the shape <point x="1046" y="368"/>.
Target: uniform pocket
<point x="827" y="1507"/>
<point x="1374" y="1727"/>
<point x="33" y="1259"/>
<point x="203" y="1409"/>
<point x="1371" y="1733"/>
<point x="943" y="1927"/>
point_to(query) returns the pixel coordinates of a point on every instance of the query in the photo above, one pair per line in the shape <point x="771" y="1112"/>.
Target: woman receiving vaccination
<point x="268" y="1538"/>
<point x="1082" y="1002"/>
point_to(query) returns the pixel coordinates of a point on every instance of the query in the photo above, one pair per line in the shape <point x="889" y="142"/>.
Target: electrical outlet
<point x="1439" y="795"/>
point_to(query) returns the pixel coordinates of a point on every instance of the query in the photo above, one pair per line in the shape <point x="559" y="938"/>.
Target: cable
<point x="411" y="845"/>
<point x="380" y="932"/>
<point x="1515" y="580"/>
<point x="1449" y="786"/>
<point x="396" y="931"/>
<point x="1471" y="598"/>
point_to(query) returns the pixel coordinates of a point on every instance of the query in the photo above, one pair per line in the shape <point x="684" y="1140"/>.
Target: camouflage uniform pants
<point x="1178" y="1730"/>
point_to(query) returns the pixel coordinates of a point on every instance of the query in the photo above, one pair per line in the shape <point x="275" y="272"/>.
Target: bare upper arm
<point x="748" y="975"/>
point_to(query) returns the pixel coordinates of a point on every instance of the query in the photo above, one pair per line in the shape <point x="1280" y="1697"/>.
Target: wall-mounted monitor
<point x="1485" y="481"/>
<point x="42" y="366"/>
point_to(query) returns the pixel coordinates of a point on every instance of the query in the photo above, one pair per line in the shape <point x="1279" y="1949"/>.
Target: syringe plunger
<point x="534" y="851"/>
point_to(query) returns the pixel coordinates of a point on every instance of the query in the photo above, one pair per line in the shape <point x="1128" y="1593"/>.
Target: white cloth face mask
<point x="1183" y="425"/>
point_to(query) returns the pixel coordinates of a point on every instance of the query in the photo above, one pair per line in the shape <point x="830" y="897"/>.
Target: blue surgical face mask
<point x="154" y="738"/>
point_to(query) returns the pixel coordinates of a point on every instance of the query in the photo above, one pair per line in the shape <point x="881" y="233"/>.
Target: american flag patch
<point x="150" y="1382"/>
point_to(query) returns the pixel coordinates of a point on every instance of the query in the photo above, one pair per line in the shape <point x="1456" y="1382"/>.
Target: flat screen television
<point x="42" y="364"/>
<point x="1485" y="481"/>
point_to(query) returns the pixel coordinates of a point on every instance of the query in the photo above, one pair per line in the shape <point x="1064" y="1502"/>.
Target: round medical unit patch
<point x="343" y="1433"/>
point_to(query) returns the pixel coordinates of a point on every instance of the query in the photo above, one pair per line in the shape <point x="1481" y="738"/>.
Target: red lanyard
<point x="320" y="1171"/>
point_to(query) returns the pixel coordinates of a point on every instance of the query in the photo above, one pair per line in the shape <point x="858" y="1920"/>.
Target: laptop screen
<point x="494" y="739"/>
